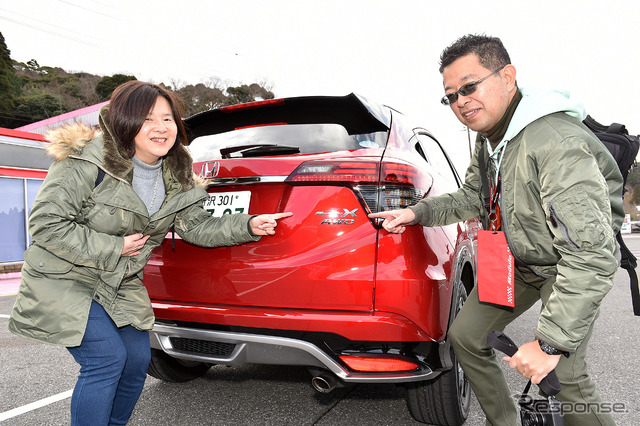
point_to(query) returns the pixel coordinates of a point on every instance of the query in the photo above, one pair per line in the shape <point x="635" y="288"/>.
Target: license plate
<point x="220" y="203"/>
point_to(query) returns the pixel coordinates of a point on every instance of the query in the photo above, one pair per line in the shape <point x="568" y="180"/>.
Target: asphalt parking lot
<point x="36" y="382"/>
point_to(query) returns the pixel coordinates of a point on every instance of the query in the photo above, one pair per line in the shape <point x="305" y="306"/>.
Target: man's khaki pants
<point x="469" y="338"/>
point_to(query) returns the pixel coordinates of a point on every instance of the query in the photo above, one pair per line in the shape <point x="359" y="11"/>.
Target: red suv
<point x="331" y="291"/>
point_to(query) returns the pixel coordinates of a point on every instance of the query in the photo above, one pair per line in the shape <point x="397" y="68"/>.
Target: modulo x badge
<point x="337" y="218"/>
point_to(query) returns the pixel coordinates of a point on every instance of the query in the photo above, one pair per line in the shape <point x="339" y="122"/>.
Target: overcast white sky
<point x="386" y="50"/>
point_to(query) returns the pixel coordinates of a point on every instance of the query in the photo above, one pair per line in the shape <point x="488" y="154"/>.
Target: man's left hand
<point x="532" y="362"/>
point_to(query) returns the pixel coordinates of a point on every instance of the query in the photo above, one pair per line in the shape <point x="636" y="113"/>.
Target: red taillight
<point x="377" y="364"/>
<point x="251" y="105"/>
<point x="402" y="186"/>
<point x="399" y="173"/>
<point x="336" y="171"/>
<point x="398" y="185"/>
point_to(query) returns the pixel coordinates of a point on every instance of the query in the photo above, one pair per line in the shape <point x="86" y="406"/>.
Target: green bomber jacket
<point x="561" y="207"/>
<point x="77" y="232"/>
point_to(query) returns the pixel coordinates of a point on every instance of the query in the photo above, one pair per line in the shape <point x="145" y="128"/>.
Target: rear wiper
<point x="259" y="150"/>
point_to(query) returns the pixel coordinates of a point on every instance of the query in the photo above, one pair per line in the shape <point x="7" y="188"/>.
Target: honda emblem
<point x="210" y="169"/>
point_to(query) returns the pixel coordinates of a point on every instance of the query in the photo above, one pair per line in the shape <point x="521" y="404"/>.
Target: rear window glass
<point x="308" y="138"/>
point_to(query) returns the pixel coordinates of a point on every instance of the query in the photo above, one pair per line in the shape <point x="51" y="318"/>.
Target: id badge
<point x="495" y="269"/>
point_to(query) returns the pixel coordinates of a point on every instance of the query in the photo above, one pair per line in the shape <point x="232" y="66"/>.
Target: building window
<point x="17" y="195"/>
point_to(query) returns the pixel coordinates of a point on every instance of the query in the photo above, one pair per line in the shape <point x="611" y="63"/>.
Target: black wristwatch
<point x="550" y="350"/>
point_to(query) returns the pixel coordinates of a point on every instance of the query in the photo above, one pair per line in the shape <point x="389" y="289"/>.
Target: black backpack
<point x="624" y="148"/>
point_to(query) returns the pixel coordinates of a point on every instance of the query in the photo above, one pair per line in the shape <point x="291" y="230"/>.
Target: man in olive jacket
<point x="560" y="207"/>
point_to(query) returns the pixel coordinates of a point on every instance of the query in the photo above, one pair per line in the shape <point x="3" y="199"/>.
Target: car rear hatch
<point x="317" y="157"/>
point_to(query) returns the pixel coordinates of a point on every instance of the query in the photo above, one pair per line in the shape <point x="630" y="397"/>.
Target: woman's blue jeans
<point x="113" y="367"/>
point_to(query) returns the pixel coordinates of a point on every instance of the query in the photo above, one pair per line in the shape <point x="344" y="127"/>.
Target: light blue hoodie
<point x="536" y="103"/>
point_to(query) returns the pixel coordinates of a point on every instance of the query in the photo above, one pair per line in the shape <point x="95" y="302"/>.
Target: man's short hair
<point x="490" y="51"/>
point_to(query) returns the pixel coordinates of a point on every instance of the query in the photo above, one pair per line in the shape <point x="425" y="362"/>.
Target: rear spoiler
<point x="353" y="112"/>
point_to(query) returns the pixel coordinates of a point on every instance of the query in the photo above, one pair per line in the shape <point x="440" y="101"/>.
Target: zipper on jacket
<point x="558" y="224"/>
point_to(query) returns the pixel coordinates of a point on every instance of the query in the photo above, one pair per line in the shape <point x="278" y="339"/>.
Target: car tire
<point x="446" y="399"/>
<point x="169" y="369"/>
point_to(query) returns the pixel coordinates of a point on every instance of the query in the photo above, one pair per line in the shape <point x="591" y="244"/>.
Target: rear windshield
<point x="308" y="138"/>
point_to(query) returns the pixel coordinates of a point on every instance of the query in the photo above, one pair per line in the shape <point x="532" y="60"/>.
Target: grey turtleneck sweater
<point x="148" y="183"/>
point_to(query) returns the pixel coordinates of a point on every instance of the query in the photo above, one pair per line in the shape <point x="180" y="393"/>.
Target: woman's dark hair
<point x="129" y="106"/>
<point x="490" y="51"/>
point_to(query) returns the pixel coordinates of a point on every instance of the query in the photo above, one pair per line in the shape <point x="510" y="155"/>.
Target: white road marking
<point x="4" y="316"/>
<point x="35" y="405"/>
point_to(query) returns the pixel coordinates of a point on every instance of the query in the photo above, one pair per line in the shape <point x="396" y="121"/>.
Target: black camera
<point x="540" y="412"/>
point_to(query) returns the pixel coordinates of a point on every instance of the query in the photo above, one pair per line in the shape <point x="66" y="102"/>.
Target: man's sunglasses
<point x="466" y="89"/>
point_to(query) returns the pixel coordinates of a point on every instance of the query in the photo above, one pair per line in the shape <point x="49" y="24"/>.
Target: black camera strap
<point x="550" y="385"/>
<point x="555" y="407"/>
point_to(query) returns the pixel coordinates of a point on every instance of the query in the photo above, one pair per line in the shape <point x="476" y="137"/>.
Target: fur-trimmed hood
<point x="99" y="147"/>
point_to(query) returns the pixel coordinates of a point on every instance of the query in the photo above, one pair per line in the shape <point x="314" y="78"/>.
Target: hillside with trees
<point x="31" y="92"/>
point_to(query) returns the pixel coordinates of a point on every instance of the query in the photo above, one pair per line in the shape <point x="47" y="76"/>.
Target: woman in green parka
<point x="82" y="276"/>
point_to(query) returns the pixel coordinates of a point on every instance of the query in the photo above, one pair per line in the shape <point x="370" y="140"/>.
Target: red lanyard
<point x="494" y="213"/>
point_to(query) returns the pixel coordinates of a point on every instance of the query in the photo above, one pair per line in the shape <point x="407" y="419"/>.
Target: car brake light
<point x="377" y="364"/>
<point x="396" y="185"/>
<point x="261" y="125"/>
<point x="251" y="105"/>
<point x="335" y="171"/>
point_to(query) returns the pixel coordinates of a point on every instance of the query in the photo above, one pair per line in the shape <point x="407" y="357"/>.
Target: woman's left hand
<point x="265" y="224"/>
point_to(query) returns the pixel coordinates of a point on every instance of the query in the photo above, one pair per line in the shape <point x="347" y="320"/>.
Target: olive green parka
<point x="77" y="232"/>
<point x="561" y="207"/>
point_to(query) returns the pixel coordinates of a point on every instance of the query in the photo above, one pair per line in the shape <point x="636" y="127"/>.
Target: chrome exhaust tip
<point x="324" y="383"/>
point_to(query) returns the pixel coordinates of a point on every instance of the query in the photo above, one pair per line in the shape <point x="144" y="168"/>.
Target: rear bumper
<point x="354" y="326"/>
<point x="233" y="348"/>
